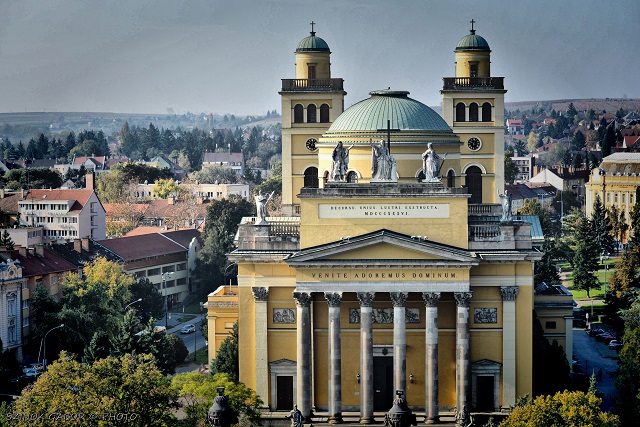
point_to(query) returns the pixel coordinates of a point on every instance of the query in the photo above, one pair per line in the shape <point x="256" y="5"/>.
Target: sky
<point x="228" y="56"/>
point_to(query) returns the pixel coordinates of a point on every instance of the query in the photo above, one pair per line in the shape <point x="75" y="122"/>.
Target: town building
<point x="393" y="272"/>
<point x="234" y="161"/>
<point x="13" y="291"/>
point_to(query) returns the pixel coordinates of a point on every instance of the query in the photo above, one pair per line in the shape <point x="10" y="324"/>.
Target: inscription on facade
<point x="284" y="315"/>
<point x="385" y="315"/>
<point x="485" y="315"/>
<point x="426" y="274"/>
<point x="384" y="210"/>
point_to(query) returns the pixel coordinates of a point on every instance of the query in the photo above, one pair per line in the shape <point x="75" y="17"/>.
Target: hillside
<point x="610" y="105"/>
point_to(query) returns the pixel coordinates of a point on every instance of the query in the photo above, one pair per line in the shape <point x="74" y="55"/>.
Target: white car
<point x="33" y="367"/>
<point x="187" y="329"/>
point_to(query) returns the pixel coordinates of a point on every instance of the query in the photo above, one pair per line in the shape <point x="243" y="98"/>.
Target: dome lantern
<point x="473" y="55"/>
<point x="313" y="57"/>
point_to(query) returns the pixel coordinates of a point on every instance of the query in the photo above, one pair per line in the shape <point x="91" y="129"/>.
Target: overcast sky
<point x="228" y="56"/>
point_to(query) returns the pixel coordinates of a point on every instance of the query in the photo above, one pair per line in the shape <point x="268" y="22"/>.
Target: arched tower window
<point x="311" y="177"/>
<point x="473" y="112"/>
<point x="324" y="113"/>
<point x="352" y="177"/>
<point x="486" y="112"/>
<point x="460" y="112"/>
<point x="451" y="179"/>
<point x="298" y="114"/>
<point x="311" y="113"/>
<point x="474" y="184"/>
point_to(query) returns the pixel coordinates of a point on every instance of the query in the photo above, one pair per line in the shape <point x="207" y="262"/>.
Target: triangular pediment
<point x="383" y="245"/>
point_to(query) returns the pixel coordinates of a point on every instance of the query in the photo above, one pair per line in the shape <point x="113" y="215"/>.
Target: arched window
<point x="486" y="112"/>
<point x="460" y="112"/>
<point x="352" y="177"/>
<point x="474" y="184"/>
<point x="298" y="114"/>
<point x="311" y="113"/>
<point x="451" y="179"/>
<point x="324" y="113"/>
<point x="311" y="177"/>
<point x="473" y="112"/>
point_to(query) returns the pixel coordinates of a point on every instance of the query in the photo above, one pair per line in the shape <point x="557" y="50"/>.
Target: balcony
<point x="312" y="85"/>
<point x="473" y="83"/>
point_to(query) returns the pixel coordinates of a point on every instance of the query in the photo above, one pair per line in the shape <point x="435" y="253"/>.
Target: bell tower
<point x="310" y="103"/>
<point x="473" y="106"/>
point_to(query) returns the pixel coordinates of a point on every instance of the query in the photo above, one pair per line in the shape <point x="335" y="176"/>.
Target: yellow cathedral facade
<point x="399" y="266"/>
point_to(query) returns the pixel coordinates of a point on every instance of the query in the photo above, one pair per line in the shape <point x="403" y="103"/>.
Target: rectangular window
<point x="181" y="267"/>
<point x="25" y="304"/>
<point x="550" y="325"/>
<point x="168" y="269"/>
<point x="25" y="322"/>
<point x="181" y="282"/>
<point x="153" y="271"/>
<point x="171" y="283"/>
<point x="140" y="274"/>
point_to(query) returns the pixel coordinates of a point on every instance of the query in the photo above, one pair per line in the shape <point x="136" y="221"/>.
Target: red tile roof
<point x="143" y="246"/>
<point x="80" y="196"/>
<point x="36" y="265"/>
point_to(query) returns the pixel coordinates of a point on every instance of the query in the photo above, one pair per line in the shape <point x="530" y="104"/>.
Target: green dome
<point x="312" y="44"/>
<point x="473" y="42"/>
<point x="372" y="114"/>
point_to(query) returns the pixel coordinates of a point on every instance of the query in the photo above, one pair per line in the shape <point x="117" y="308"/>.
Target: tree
<point x="585" y="260"/>
<point x="579" y="141"/>
<point x="568" y="408"/>
<point x="165" y="188"/>
<point x="571" y="111"/>
<point x="130" y="385"/>
<point x="608" y="141"/>
<point x="152" y="304"/>
<point x="510" y="168"/>
<point x="215" y="174"/>
<point x="521" y="148"/>
<point x="533" y="207"/>
<point x="34" y="178"/>
<point x="601" y="227"/>
<point x="546" y="270"/>
<point x="532" y="142"/>
<point x="627" y="400"/>
<point x="198" y="391"/>
<point x="564" y="201"/>
<point x="6" y="241"/>
<point x="227" y="360"/>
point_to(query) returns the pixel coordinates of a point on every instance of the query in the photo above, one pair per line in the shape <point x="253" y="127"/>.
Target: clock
<point x="474" y="144"/>
<point x="311" y="144"/>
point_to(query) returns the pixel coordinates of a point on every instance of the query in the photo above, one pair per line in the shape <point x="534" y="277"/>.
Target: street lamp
<point x="166" y="297"/>
<point x="131" y="303"/>
<point x="44" y="360"/>
<point x="603" y="257"/>
<point x="225" y="273"/>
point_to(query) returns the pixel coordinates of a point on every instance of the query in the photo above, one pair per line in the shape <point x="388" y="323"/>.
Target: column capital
<point x="260" y="294"/>
<point x="431" y="298"/>
<point x="509" y="293"/>
<point x="463" y="299"/>
<point x="333" y="298"/>
<point x="366" y="298"/>
<point x="399" y="299"/>
<point x="303" y="299"/>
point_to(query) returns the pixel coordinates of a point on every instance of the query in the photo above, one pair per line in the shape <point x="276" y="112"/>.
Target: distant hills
<point x="610" y="105"/>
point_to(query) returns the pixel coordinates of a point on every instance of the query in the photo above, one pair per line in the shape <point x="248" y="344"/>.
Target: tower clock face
<point x="474" y="144"/>
<point x="311" y="144"/>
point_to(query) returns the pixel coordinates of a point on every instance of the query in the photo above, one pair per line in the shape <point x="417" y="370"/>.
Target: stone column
<point x="303" y="388"/>
<point x="399" y="340"/>
<point x="366" y="357"/>
<point x="509" y="294"/>
<point x="431" y="407"/>
<point x="463" y="300"/>
<point x="261" y="295"/>
<point x="335" y="358"/>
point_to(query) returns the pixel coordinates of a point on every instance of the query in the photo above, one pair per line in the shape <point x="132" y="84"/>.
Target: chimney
<point x="22" y="194"/>
<point x="89" y="180"/>
<point x="40" y="249"/>
<point x="77" y="246"/>
<point x="86" y="244"/>
<point x="1" y="193"/>
<point x="23" y="251"/>
<point x="171" y="200"/>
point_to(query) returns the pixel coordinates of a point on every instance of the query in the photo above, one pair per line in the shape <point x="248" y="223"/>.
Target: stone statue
<point x="340" y="162"/>
<point x="431" y="164"/>
<point x="383" y="165"/>
<point x="463" y="418"/>
<point x="297" y="420"/>
<point x="505" y="200"/>
<point x="261" y="207"/>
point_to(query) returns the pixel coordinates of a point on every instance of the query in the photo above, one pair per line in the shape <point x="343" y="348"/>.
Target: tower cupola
<point x="473" y="55"/>
<point x="313" y="57"/>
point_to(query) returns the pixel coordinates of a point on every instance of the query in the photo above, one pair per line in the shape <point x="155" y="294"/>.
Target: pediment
<point x="386" y="246"/>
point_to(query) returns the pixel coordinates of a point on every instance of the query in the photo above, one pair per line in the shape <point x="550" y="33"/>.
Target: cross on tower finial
<point x="473" y="21"/>
<point x="312" y="24"/>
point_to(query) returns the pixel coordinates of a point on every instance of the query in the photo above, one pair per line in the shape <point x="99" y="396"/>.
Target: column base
<point x="336" y="419"/>
<point x="434" y="420"/>
<point x="367" y="420"/>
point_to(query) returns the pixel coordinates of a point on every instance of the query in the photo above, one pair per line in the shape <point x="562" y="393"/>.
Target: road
<point x="188" y="339"/>
<point x="594" y="355"/>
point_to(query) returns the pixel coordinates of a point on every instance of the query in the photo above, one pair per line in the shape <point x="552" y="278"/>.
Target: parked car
<point x="31" y="372"/>
<point x="595" y="331"/>
<point x="615" y="344"/>
<point x="609" y="338"/>
<point x="187" y="329"/>
<point x="33" y="367"/>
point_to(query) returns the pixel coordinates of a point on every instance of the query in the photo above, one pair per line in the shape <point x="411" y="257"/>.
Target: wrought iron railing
<point x="452" y="83"/>
<point x="292" y="85"/>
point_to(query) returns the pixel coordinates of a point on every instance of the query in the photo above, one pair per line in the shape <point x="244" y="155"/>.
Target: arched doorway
<point x="474" y="184"/>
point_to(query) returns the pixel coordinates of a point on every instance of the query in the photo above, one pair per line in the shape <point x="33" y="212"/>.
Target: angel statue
<point x="340" y="162"/>
<point x="383" y="165"/>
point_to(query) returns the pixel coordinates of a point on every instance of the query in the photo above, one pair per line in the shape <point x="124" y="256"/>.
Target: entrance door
<point x="485" y="393"/>
<point x="284" y="392"/>
<point x="383" y="392"/>
<point x="474" y="184"/>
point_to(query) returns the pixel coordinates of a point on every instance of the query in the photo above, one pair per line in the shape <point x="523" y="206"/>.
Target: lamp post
<point x="225" y="273"/>
<point x="603" y="257"/>
<point x="131" y="303"/>
<point x="166" y="297"/>
<point x="44" y="360"/>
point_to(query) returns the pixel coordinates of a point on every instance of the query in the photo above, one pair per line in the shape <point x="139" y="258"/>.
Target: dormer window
<point x="311" y="71"/>
<point x="473" y="69"/>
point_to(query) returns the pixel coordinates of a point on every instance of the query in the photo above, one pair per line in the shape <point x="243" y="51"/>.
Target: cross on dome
<point x="313" y="33"/>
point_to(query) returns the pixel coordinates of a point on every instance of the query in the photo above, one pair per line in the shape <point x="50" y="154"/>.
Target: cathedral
<point x="399" y="265"/>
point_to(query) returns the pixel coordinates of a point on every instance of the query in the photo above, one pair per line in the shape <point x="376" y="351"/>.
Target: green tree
<point x="601" y="227"/>
<point x="546" y="270"/>
<point x="571" y="110"/>
<point x="532" y="142"/>
<point x="152" y="304"/>
<point x="198" y="391"/>
<point x="227" y="360"/>
<point x="585" y="260"/>
<point x="131" y="384"/>
<point x="274" y="182"/>
<point x="215" y="174"/>
<point x="533" y="207"/>
<point x="165" y="188"/>
<point x="608" y="141"/>
<point x="510" y="168"/>
<point x="34" y="178"/>
<point x="568" y="408"/>
<point x="627" y="399"/>
<point x="579" y="141"/>
<point x="6" y="241"/>
<point x="521" y="148"/>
